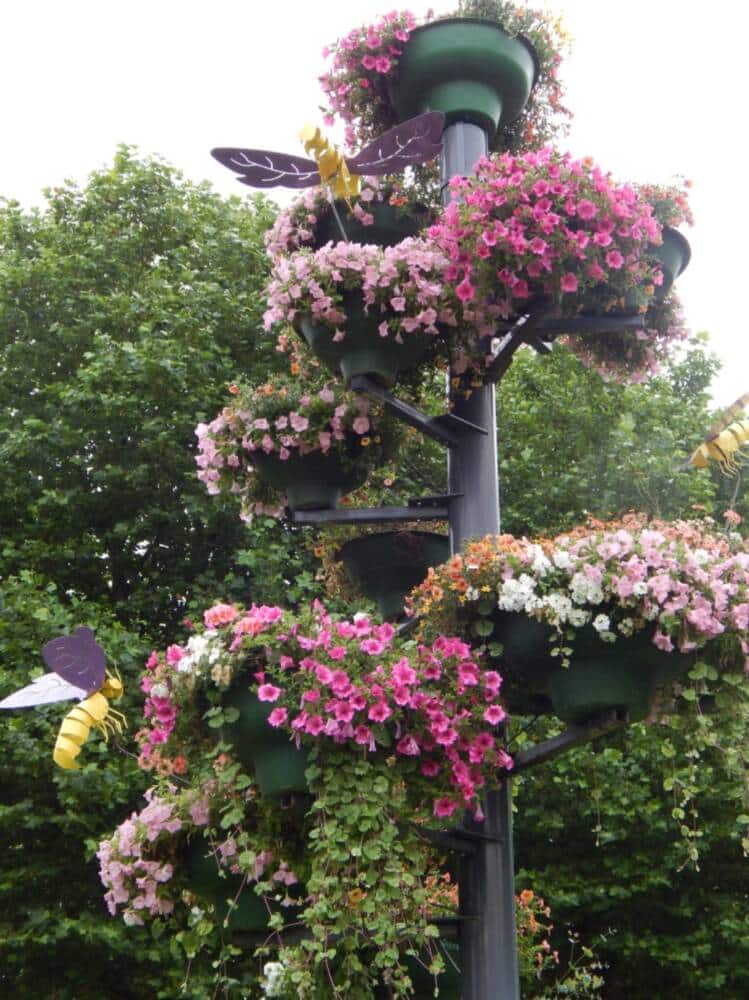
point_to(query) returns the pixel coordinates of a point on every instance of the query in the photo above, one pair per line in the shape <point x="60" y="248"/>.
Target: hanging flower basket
<point x="625" y="675"/>
<point x="365" y="310"/>
<point x="546" y="231"/>
<point x="468" y="69"/>
<point x="313" y="481"/>
<point x="364" y="85"/>
<point x="387" y="565"/>
<point x="673" y="255"/>
<point x="248" y="914"/>
<point x="363" y="351"/>
<point x="268" y="752"/>
<point x="301" y="439"/>
<point x="599" y="617"/>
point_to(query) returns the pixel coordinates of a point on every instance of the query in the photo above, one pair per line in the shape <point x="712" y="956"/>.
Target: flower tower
<point x="376" y="743"/>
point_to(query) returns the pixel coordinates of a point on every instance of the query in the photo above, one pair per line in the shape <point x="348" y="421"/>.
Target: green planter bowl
<point x="363" y="351"/>
<point x="313" y="481"/>
<point x="268" y="752"/>
<point x="467" y="68"/>
<point x="250" y="912"/>
<point x="388" y="565"/>
<point x="674" y="255"/>
<point x="602" y="676"/>
<point x="391" y="225"/>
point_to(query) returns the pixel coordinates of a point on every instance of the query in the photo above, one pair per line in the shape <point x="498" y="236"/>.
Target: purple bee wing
<point x="262" y="169"/>
<point x="78" y="659"/>
<point x="414" y="141"/>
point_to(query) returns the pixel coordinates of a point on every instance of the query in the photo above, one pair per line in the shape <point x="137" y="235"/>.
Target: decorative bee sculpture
<point x="725" y="440"/>
<point x="408" y="144"/>
<point x="78" y="668"/>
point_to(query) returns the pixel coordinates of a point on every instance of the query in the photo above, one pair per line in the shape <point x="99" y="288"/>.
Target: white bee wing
<point x="43" y="691"/>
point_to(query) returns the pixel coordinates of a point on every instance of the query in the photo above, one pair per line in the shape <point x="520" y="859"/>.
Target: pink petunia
<point x="445" y="806"/>
<point x="568" y="282"/>
<point x="494" y="714"/>
<point x="278" y="717"/>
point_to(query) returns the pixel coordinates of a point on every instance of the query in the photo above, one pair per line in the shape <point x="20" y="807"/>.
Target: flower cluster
<point x="402" y="284"/>
<point x="546" y="229"/>
<point x="285" y="418"/>
<point x="546" y="225"/>
<point x="354" y="682"/>
<point x="365" y="61"/>
<point x="356" y="86"/>
<point x="300" y="224"/>
<point x="620" y="356"/>
<point x="670" y="202"/>
<point x="136" y="864"/>
<point x="680" y="581"/>
<point x="162" y="711"/>
<point x="143" y="864"/>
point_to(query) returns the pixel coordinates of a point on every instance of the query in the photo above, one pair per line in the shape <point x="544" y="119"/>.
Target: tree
<point x="126" y="308"/>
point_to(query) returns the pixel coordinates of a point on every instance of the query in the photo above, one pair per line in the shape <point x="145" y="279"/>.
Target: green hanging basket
<point x="391" y="224"/>
<point x="268" y="752"/>
<point x="363" y="351"/>
<point x="314" y="481"/>
<point x="467" y="68"/>
<point x="388" y="565"/>
<point x="602" y="676"/>
<point x="674" y="255"/>
<point x="250" y="912"/>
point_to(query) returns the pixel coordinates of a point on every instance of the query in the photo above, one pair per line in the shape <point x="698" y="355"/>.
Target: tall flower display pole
<point x="486" y="880"/>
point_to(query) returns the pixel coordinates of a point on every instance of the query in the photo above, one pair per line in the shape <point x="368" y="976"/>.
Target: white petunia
<point x="601" y="623"/>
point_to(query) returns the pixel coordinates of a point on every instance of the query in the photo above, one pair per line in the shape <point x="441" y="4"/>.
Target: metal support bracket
<point x="572" y="736"/>
<point x="436" y="508"/>
<point x="370" y="515"/>
<point x="446" y="428"/>
<point x="590" y="324"/>
<point x="525" y="331"/>
<point x="458" y="839"/>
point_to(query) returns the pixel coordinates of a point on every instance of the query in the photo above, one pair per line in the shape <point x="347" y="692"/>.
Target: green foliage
<point x="125" y="309"/>
<point x="596" y="828"/>
<point x="571" y="444"/>
<point x="55" y="937"/>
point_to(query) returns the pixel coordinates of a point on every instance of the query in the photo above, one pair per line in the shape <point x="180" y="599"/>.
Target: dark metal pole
<point x="486" y="878"/>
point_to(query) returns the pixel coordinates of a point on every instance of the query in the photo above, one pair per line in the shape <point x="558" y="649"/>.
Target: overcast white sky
<point x="658" y="88"/>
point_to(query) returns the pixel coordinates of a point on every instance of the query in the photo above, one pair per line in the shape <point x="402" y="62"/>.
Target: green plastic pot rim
<point x="686" y="249"/>
<point x="489" y="24"/>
